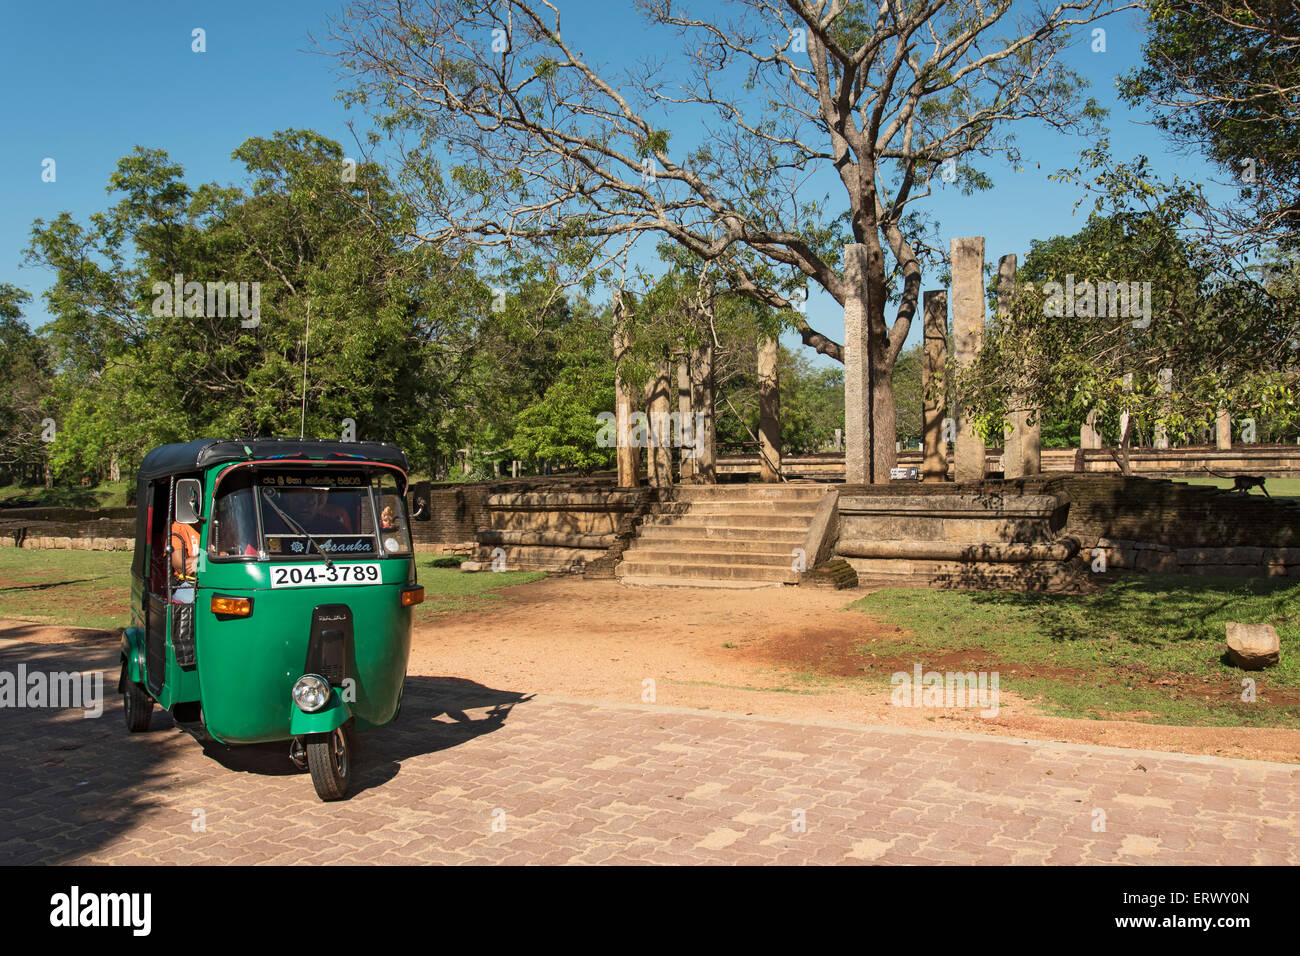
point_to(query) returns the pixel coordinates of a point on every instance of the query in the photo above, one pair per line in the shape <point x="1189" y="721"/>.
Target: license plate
<point x="318" y="575"/>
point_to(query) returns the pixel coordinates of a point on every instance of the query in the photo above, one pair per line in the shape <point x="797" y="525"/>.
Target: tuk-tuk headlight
<point x="311" y="693"/>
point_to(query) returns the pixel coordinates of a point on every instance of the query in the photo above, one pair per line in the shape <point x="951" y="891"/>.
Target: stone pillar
<point x="968" y="336"/>
<point x="934" y="400"/>
<point x="1166" y="386"/>
<point x="629" y="466"/>
<point x="769" y="412"/>
<point x="857" y="370"/>
<point x="1089" y="433"/>
<point x="702" y="400"/>
<point x="686" y="456"/>
<point x="1223" y="430"/>
<point x="659" y="459"/>
<point x="1022" y="450"/>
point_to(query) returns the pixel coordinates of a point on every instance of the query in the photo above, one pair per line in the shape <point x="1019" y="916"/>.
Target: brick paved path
<point x="473" y="775"/>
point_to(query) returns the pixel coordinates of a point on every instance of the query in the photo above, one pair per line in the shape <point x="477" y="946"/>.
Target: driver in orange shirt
<point x="185" y="549"/>
<point x="185" y="559"/>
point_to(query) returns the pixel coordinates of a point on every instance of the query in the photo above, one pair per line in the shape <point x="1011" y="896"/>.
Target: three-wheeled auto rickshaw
<point x="272" y="593"/>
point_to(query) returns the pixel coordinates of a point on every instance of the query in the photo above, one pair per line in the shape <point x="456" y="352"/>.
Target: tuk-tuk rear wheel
<point x="329" y="757"/>
<point x="138" y="707"/>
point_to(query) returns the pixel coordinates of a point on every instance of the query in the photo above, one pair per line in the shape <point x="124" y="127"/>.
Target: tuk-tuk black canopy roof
<point x="204" y="452"/>
<point x="198" y="455"/>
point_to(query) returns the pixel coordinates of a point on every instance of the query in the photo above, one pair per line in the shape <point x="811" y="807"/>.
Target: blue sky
<point x="86" y="82"/>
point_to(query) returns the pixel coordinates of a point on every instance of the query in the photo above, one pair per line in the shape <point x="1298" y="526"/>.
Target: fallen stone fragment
<point x="1253" y="647"/>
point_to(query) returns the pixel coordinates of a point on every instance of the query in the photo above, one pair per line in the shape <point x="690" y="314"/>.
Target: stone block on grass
<point x="1253" y="647"/>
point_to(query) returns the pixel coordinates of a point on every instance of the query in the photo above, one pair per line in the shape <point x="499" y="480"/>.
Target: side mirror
<point x="189" y="500"/>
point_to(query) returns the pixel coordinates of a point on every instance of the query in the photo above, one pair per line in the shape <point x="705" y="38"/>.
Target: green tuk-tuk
<point x="271" y="595"/>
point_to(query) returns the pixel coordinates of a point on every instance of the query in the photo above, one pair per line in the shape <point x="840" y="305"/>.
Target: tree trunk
<point x="769" y="411"/>
<point x="702" y="399"/>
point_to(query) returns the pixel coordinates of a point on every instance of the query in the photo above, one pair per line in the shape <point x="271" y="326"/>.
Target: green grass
<point x="80" y="588"/>
<point x="1142" y="645"/>
<point x="452" y="591"/>
<point x="93" y="588"/>
<point x="1277" y="487"/>
<point x="106" y="495"/>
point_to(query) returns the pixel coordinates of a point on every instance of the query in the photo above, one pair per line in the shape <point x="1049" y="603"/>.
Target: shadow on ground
<point x="72" y="784"/>
<point x="435" y="716"/>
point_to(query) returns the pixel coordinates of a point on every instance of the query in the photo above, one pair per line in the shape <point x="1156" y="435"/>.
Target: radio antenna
<point x="306" y="342"/>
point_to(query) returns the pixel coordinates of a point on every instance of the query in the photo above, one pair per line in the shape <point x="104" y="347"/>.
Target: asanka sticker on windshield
<point x="289" y="544"/>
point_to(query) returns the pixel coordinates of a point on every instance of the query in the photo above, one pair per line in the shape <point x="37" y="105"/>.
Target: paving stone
<point x="588" y="783"/>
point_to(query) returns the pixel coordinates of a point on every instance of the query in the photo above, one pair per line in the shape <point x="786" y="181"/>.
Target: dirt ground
<point x="737" y="651"/>
<point x="602" y="640"/>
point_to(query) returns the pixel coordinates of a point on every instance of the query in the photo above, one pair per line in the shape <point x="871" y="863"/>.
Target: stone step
<point x="528" y="558"/>
<point x="699" y="569"/>
<point x="797" y="507"/>
<point x="677" y="555"/>
<point x="715" y="545"/>
<point x="759" y="522"/>
<point x="672" y="532"/>
<point x="748" y="492"/>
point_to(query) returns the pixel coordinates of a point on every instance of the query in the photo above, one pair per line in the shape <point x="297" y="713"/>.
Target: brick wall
<point x="104" y="529"/>
<point x="1178" y="515"/>
<point x="1170" y="527"/>
<point x="457" y="512"/>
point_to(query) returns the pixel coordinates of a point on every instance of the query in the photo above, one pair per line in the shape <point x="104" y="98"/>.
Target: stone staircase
<point x="739" y="536"/>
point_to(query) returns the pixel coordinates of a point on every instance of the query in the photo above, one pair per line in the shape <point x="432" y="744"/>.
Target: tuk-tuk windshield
<point x="274" y="507"/>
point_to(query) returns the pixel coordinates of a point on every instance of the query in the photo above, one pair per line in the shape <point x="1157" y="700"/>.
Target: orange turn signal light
<point x="232" y="606"/>
<point x="413" y="595"/>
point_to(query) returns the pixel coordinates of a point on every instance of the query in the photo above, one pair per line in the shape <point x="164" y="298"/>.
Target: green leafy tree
<point x="350" y="324"/>
<point x="1126" y="316"/>
<point x="563" y="426"/>
<point x="24" y="383"/>
<point x="1223" y="76"/>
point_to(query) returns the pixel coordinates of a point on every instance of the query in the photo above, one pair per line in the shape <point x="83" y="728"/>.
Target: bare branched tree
<point x="511" y="134"/>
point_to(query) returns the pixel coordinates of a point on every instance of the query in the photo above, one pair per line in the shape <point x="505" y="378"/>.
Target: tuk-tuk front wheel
<point x="329" y="757"/>
<point x="138" y="707"/>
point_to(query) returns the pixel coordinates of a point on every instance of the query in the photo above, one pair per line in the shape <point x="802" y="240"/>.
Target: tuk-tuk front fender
<point x="334" y="715"/>
<point x="132" y="657"/>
